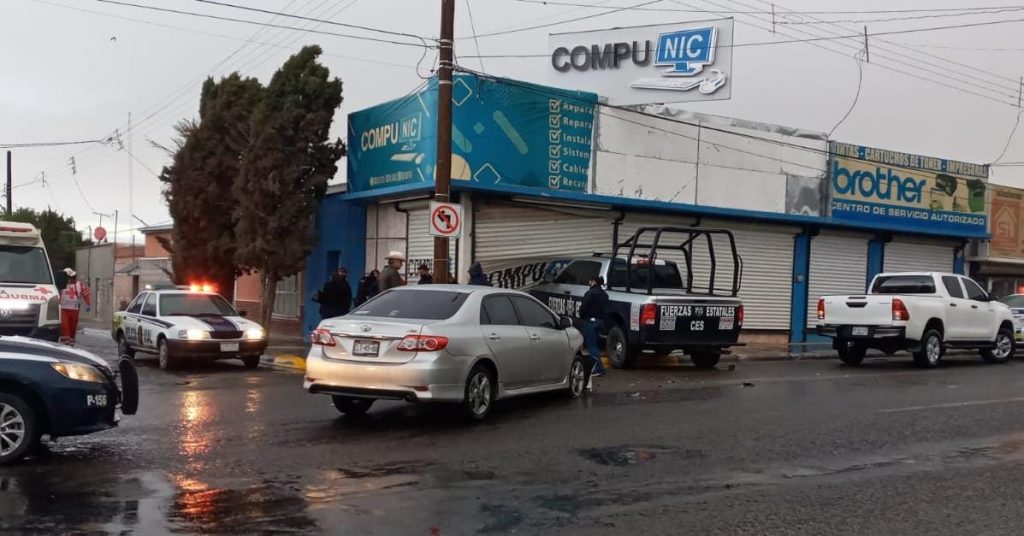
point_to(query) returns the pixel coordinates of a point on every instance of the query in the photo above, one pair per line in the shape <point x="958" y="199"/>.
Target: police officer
<point x="592" y="310"/>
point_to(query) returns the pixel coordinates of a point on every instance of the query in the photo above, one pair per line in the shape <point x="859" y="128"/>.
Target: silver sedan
<point x="444" y="343"/>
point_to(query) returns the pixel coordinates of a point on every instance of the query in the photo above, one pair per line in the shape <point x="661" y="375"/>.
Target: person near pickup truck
<point x="73" y="297"/>
<point x="592" y="309"/>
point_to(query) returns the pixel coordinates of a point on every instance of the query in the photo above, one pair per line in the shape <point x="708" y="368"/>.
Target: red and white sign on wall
<point x="445" y="219"/>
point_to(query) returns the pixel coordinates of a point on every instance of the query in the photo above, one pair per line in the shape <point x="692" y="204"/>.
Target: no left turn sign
<point x="445" y="219"/>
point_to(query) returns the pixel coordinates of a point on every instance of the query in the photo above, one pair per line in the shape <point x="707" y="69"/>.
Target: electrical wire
<point x="257" y="23"/>
<point x="897" y="19"/>
<point x="476" y="40"/>
<point x="844" y="12"/>
<point x="561" y="22"/>
<point x="51" y="143"/>
<point x="308" y="19"/>
<point x="631" y="110"/>
<point x="856" y="97"/>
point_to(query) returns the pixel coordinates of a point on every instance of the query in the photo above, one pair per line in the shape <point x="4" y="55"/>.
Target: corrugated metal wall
<point x="919" y="255"/>
<point x="839" y="265"/>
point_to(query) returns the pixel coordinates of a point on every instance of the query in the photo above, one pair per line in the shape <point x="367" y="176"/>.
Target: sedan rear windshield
<point x="418" y="304"/>
<point x="904" y="284"/>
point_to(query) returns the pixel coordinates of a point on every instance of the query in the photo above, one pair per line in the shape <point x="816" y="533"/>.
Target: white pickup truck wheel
<point x="1002" y="352"/>
<point x="930" y="353"/>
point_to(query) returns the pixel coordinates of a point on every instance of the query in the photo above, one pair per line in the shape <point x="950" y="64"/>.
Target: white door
<point x="958" y="310"/>
<point x="839" y="266"/>
<point x="983" y="316"/>
<point x="918" y="255"/>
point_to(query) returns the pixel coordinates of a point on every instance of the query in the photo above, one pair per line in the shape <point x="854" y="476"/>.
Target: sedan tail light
<point x="322" y="337"/>
<point x="899" y="310"/>
<point x="422" y="343"/>
<point x="648" y="314"/>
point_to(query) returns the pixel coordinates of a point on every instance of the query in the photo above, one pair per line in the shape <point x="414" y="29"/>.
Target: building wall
<point x="153" y="247"/>
<point x="341" y="241"/>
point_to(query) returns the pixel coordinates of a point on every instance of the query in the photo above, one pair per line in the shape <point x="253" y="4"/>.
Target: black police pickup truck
<point x="51" y="389"/>
<point x="652" y="306"/>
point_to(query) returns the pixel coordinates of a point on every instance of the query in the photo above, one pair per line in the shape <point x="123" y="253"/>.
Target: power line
<point x="897" y="19"/>
<point x="266" y="24"/>
<point x="51" y="143"/>
<point x="856" y="97"/>
<point x="333" y="23"/>
<point x="567" y="21"/>
<point x="476" y="41"/>
<point x="840" y="12"/>
<point x="630" y="110"/>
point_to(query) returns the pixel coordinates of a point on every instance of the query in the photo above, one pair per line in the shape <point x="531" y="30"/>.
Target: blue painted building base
<point x="341" y="241"/>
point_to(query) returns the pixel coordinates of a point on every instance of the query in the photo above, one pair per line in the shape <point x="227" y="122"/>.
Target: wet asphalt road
<point x="770" y="448"/>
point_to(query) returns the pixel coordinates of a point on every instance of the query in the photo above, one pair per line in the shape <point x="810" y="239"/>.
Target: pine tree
<point x="199" y="183"/>
<point x="284" y="175"/>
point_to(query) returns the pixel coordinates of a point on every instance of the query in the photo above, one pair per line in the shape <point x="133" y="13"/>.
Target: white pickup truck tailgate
<point x="864" y="310"/>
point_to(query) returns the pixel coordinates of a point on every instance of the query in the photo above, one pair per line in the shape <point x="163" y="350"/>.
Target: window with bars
<point x="286" y="302"/>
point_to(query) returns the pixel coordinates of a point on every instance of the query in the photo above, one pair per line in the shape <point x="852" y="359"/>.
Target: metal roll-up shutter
<point x="421" y="243"/>
<point x="919" y="255"/>
<point x="513" y="241"/>
<point x="839" y="265"/>
<point x="767" y="253"/>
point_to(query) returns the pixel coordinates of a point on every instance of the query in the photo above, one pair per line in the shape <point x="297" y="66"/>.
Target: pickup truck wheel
<point x="1002" y="352"/>
<point x="619" y="351"/>
<point x="930" y="353"/>
<point x="851" y="353"/>
<point x="706" y="359"/>
<point x="19" y="429"/>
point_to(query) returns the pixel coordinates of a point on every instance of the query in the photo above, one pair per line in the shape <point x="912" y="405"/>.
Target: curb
<point x="290" y="362"/>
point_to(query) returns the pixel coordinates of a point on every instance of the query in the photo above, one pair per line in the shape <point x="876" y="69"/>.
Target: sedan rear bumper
<point x="419" y="380"/>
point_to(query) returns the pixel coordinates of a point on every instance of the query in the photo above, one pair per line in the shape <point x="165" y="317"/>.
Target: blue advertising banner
<point x="394" y="143"/>
<point x="504" y="132"/>
<point x="511" y="132"/>
<point x="908" y="192"/>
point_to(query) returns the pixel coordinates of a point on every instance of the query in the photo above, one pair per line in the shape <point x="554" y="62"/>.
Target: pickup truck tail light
<point x="821" y="309"/>
<point x="739" y="316"/>
<point x="422" y="343"/>
<point x="899" y="311"/>
<point x="648" y="314"/>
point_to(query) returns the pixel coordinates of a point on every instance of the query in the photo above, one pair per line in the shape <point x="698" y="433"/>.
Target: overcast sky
<point x="72" y="75"/>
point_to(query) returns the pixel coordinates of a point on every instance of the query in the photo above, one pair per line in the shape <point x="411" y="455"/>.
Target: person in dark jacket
<point x="368" y="287"/>
<point x="477" y="276"/>
<point x="425" y="277"/>
<point x="336" y="296"/>
<point x="592" y="311"/>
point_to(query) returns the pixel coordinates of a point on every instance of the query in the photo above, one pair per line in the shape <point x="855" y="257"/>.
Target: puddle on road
<point x="623" y="456"/>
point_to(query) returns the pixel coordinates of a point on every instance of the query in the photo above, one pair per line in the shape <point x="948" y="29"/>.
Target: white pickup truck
<point x="924" y="313"/>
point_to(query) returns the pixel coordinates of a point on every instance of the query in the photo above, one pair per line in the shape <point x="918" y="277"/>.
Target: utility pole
<point x="10" y="189"/>
<point x="867" y="51"/>
<point x="131" y="184"/>
<point x="443" y="167"/>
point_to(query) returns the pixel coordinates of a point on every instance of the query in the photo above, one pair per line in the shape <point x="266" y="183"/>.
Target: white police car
<point x="187" y="323"/>
<point x="56" y="390"/>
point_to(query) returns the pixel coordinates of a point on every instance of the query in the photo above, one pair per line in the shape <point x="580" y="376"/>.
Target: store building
<point x="998" y="263"/>
<point x="544" y="173"/>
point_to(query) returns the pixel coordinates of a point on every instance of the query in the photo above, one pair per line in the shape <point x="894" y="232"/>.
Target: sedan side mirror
<point x="564" y="322"/>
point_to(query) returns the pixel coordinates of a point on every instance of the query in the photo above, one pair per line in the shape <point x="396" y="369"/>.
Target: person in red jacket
<point x="73" y="297"/>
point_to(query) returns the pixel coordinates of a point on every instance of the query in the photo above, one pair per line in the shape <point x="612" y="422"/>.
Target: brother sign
<point x="648" y="64"/>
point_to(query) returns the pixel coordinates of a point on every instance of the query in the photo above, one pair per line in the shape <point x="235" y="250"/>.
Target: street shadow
<point x="191" y="366"/>
<point x="898" y="362"/>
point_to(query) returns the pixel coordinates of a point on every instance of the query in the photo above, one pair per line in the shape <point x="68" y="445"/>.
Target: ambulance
<point x="29" y="300"/>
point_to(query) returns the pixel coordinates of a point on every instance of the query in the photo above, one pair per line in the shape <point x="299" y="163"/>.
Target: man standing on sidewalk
<point x="390" y="276"/>
<point x="592" y="311"/>
<point x="74" y="295"/>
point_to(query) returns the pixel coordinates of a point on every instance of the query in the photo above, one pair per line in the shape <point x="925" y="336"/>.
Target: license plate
<point x="668" y="323"/>
<point x="726" y="323"/>
<point x="229" y="347"/>
<point x="366" y="348"/>
<point x="96" y="401"/>
<point x="860" y="331"/>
